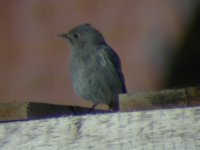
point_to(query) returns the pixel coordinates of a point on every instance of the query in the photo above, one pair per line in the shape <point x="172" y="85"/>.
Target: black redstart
<point x="95" y="67"/>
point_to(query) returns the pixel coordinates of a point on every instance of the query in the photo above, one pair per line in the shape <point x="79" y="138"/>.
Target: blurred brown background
<point x="34" y="62"/>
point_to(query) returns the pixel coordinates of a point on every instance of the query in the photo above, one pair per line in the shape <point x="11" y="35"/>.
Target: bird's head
<point x="83" y="35"/>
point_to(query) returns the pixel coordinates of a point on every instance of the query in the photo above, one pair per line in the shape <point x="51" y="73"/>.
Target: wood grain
<point x="176" y="129"/>
<point x="170" y="98"/>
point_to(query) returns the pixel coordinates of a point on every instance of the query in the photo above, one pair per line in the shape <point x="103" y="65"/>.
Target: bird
<point x="95" y="67"/>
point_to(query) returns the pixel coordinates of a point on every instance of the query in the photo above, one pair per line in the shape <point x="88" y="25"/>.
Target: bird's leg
<point x="114" y="106"/>
<point x="71" y="108"/>
<point x="187" y="96"/>
<point x="110" y="108"/>
<point x="92" y="108"/>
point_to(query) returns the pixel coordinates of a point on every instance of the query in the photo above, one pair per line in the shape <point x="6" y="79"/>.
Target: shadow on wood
<point x="33" y="110"/>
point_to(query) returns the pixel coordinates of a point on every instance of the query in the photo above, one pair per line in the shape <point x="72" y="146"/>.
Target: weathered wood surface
<point x="176" y="129"/>
<point x="170" y="98"/>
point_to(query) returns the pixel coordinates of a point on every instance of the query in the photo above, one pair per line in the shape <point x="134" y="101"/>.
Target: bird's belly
<point x="97" y="84"/>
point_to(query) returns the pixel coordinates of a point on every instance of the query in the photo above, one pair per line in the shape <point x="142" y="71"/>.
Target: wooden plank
<point x="13" y="111"/>
<point x="177" y="129"/>
<point x="171" y="98"/>
<point x="33" y="110"/>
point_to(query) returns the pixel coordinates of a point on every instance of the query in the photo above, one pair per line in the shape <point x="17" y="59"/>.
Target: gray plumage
<point x="95" y="67"/>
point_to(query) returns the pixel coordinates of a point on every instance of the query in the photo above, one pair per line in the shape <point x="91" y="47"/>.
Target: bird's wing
<point x="110" y="55"/>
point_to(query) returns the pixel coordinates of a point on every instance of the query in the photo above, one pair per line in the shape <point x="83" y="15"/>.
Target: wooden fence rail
<point x="177" y="129"/>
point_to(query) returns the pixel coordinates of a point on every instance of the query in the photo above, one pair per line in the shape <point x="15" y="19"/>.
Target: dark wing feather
<point x="114" y="59"/>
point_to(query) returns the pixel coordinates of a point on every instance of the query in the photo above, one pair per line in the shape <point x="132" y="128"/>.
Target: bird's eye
<point x="76" y="35"/>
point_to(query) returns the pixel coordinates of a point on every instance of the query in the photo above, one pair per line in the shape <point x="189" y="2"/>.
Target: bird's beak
<point x="64" y="35"/>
